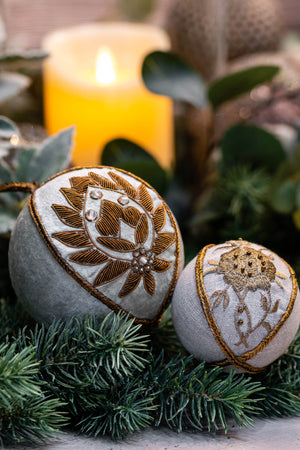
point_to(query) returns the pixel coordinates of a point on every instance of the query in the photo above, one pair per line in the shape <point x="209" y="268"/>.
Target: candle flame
<point x="105" y="67"/>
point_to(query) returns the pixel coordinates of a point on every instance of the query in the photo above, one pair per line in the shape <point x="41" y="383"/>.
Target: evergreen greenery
<point x="27" y="414"/>
<point x="113" y="378"/>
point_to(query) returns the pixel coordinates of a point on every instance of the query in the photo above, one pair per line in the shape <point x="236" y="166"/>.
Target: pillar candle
<point x="92" y="80"/>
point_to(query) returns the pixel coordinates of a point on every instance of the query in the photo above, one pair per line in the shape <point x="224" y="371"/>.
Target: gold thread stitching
<point x="110" y="272"/>
<point x="239" y="361"/>
<point x="73" y="198"/>
<point x="87" y="286"/>
<point x="18" y="187"/>
<point x="68" y="216"/>
<point x="90" y="257"/>
<point x="109" y="224"/>
<point x="75" y="239"/>
<point x="145" y="197"/>
<point x="124" y="184"/>
<point x="231" y="358"/>
<point x="159" y="218"/>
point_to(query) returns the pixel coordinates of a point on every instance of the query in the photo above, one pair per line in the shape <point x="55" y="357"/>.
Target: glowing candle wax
<point x="92" y="80"/>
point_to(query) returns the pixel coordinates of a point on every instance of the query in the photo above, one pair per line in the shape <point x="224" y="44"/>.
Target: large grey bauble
<point x="95" y="240"/>
<point x="237" y="304"/>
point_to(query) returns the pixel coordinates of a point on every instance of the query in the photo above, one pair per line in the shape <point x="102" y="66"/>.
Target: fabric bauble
<point x="95" y="240"/>
<point x="250" y="26"/>
<point x="237" y="304"/>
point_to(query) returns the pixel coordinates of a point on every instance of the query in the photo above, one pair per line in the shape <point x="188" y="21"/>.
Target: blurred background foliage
<point x="234" y="76"/>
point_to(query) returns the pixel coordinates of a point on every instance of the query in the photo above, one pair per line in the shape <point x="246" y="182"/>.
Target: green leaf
<point x="24" y="56"/>
<point x="53" y="156"/>
<point x="26" y="62"/>
<point x="164" y="73"/>
<point x="129" y="156"/>
<point x="248" y="144"/>
<point x="24" y="171"/>
<point x="235" y="84"/>
<point x="5" y="174"/>
<point x="7" y="128"/>
<point x="284" y="198"/>
<point x="12" y="84"/>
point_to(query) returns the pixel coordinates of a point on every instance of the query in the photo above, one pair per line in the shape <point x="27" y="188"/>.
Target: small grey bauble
<point x="237" y="304"/>
<point x="95" y="240"/>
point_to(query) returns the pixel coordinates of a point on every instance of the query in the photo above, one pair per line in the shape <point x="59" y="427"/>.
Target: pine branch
<point x="83" y="361"/>
<point x="16" y="374"/>
<point x="115" y="344"/>
<point x="202" y="397"/>
<point x="282" y="383"/>
<point x="237" y="205"/>
<point x="26" y="414"/>
<point x="124" y="409"/>
<point x="118" y="344"/>
<point x="279" y="401"/>
<point x="110" y="383"/>
<point x="31" y="421"/>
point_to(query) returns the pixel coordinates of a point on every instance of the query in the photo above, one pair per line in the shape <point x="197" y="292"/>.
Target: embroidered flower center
<point x="245" y="267"/>
<point x="116" y="255"/>
<point x="143" y="260"/>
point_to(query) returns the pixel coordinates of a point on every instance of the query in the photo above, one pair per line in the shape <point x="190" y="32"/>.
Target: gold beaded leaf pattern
<point x="139" y="256"/>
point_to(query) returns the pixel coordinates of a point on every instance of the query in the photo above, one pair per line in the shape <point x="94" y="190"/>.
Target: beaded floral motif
<point x="133" y="207"/>
<point x="246" y="269"/>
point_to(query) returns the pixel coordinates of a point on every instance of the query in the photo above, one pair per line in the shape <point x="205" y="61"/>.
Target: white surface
<point x="276" y="434"/>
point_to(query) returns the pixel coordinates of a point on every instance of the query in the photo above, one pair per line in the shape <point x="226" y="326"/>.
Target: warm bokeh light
<point x="14" y="140"/>
<point x="105" y="67"/>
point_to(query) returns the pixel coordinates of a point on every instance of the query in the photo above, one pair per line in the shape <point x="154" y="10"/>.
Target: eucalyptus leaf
<point x="284" y="198"/>
<point x="7" y="128"/>
<point x="53" y="156"/>
<point x="235" y="84"/>
<point x="26" y="60"/>
<point x="23" y="56"/>
<point x="129" y="156"/>
<point x="5" y="174"/>
<point x="251" y="145"/>
<point x="164" y="73"/>
<point x="12" y="84"/>
<point x="24" y="170"/>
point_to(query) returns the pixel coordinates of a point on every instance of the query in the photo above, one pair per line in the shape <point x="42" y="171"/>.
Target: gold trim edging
<point x="237" y="361"/>
<point x="86" y="285"/>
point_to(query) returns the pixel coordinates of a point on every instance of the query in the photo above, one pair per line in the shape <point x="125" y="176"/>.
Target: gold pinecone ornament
<point x="253" y="26"/>
<point x="193" y="25"/>
<point x="250" y="26"/>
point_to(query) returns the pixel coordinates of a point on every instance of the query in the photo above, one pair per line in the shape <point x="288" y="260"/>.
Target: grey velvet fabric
<point x="39" y="281"/>
<point x="48" y="291"/>
<point x="194" y="331"/>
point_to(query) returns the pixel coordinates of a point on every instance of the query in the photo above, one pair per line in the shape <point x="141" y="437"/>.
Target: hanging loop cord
<point x="19" y="187"/>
